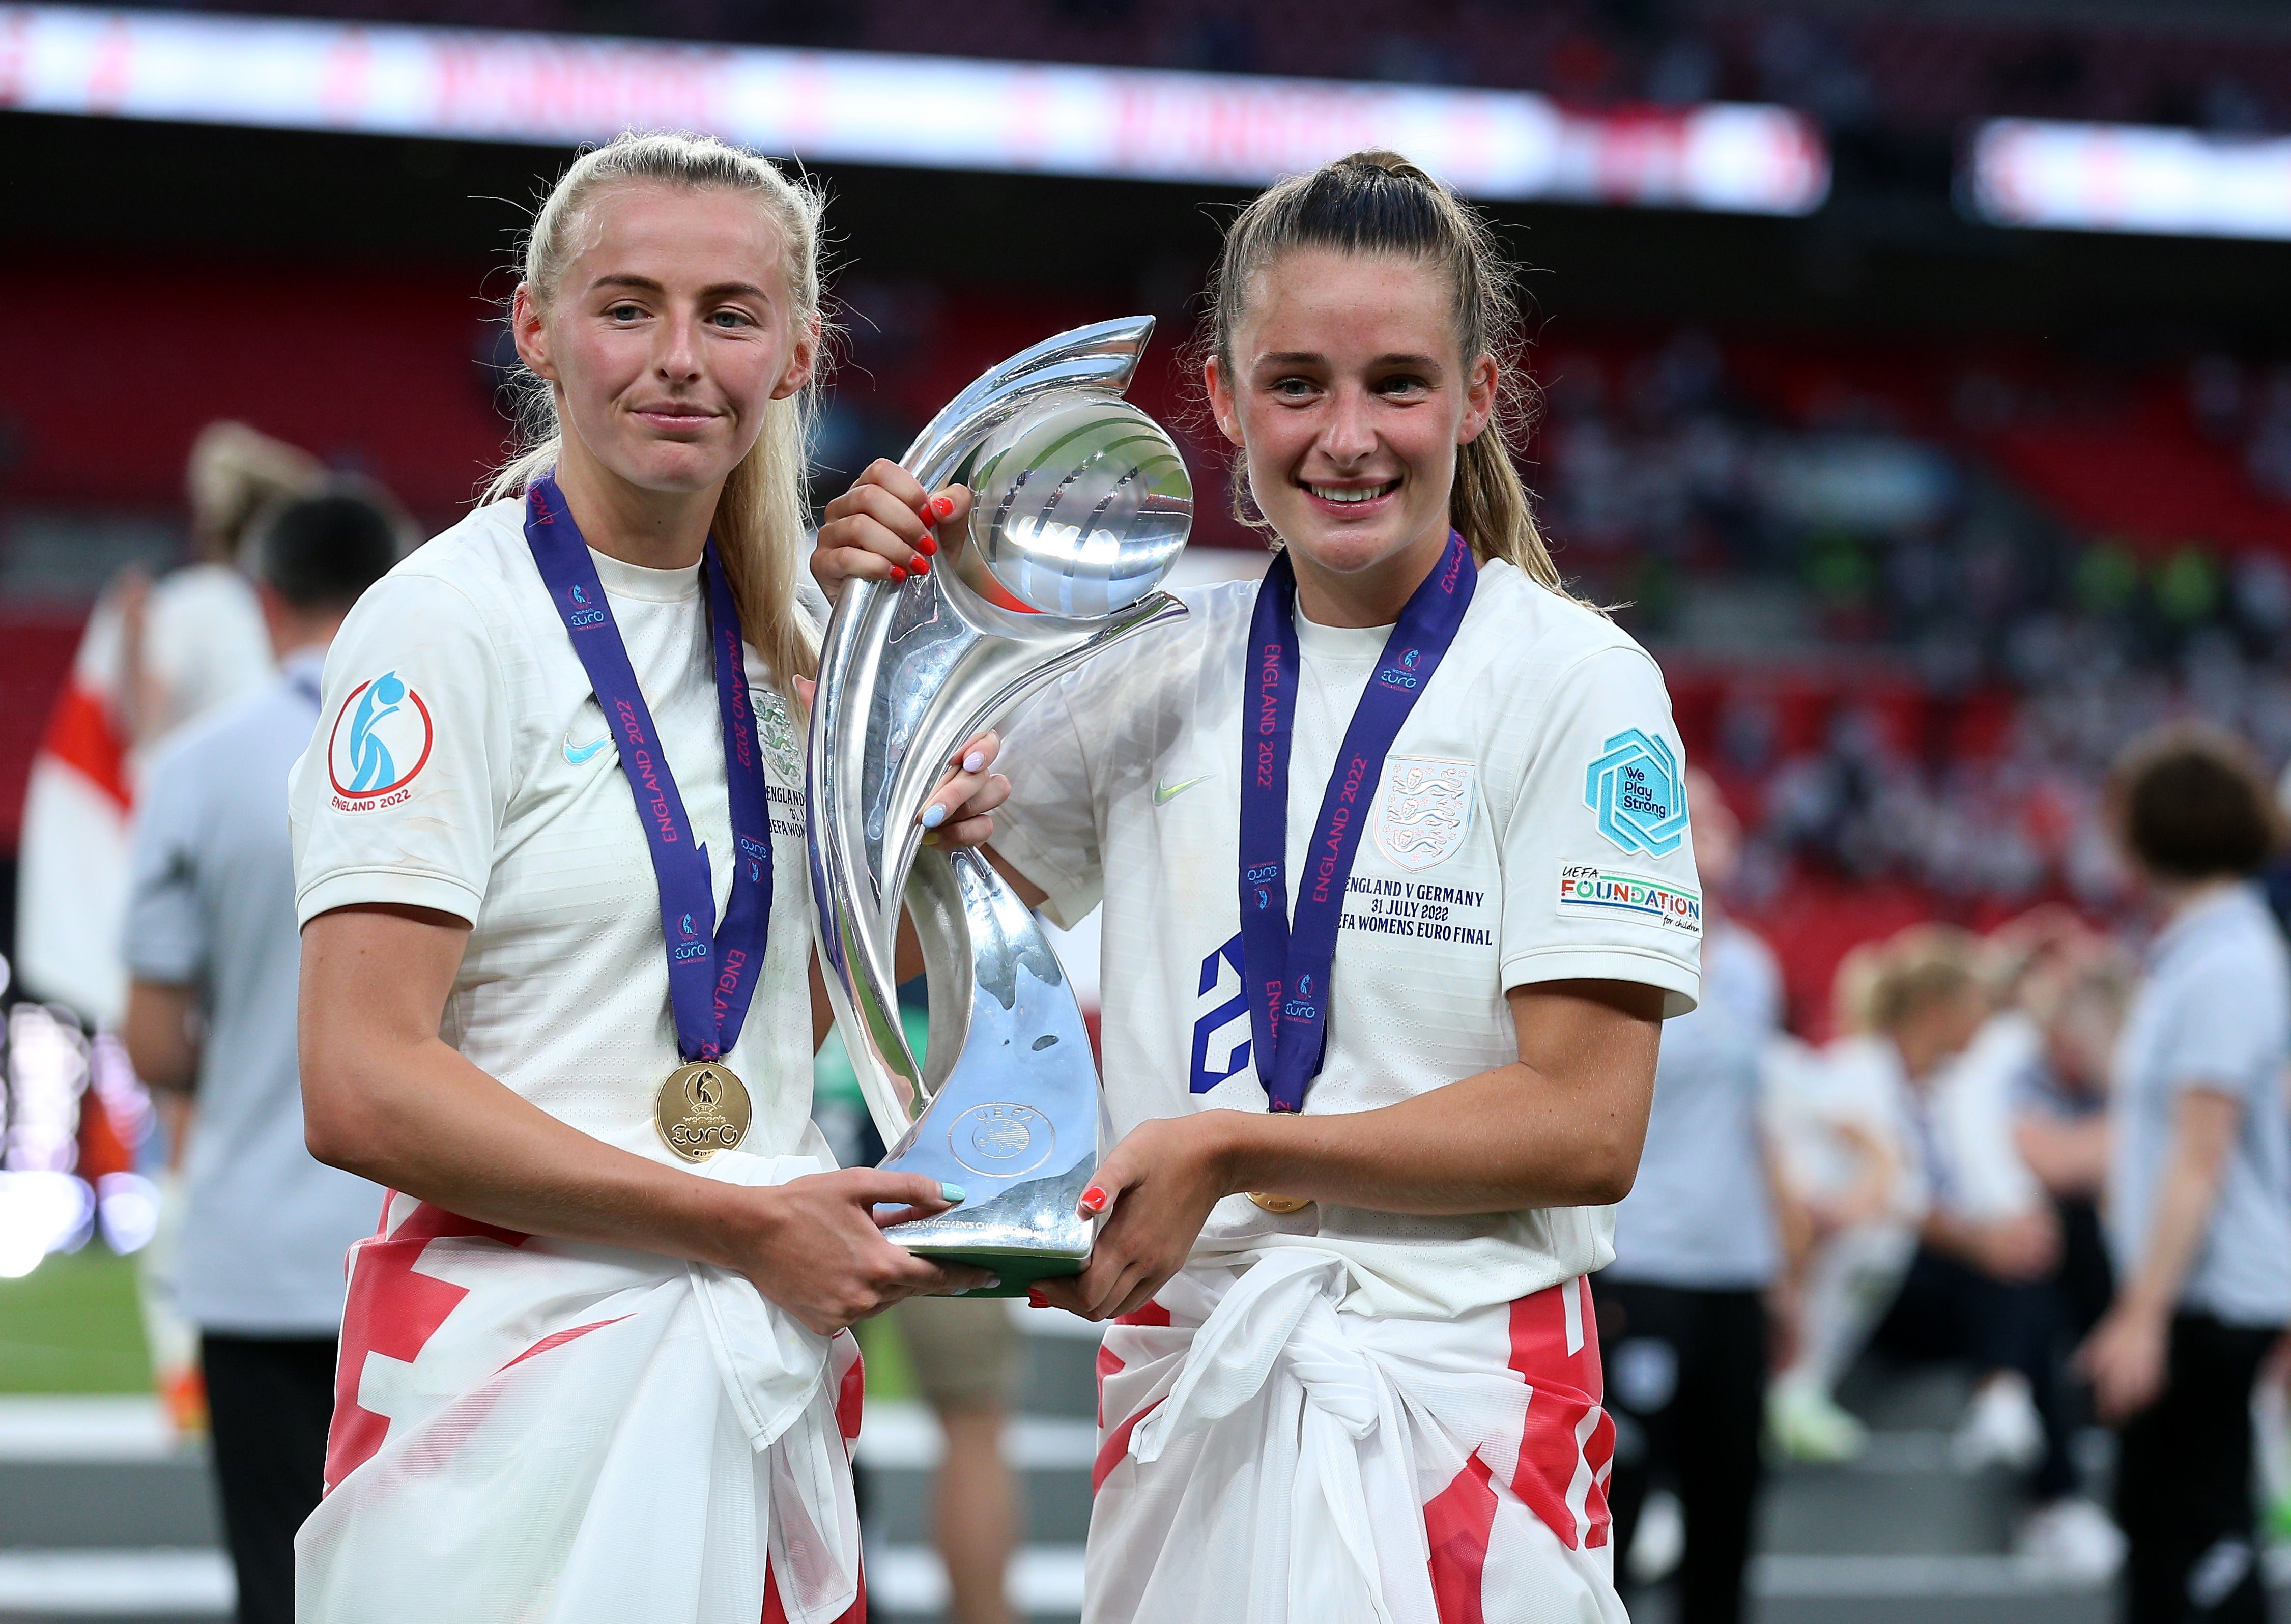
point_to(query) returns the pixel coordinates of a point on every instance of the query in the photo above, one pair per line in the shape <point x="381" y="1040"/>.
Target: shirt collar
<point x="626" y="579"/>
<point x="303" y="669"/>
<point x="2204" y="915"/>
<point x="1361" y="643"/>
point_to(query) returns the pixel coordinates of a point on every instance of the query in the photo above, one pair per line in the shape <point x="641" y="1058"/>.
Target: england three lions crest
<point x="1425" y="811"/>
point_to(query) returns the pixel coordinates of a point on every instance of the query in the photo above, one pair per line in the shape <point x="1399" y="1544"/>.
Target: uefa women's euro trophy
<point x="1080" y="504"/>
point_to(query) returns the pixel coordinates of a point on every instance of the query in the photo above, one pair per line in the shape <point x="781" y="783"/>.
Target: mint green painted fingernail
<point x="952" y="1193"/>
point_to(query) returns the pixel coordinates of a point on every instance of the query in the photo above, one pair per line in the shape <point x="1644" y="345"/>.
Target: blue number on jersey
<point x="1234" y="1008"/>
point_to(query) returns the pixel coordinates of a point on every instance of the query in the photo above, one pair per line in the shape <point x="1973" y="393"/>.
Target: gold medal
<point x="702" y="1108"/>
<point x="1281" y="1206"/>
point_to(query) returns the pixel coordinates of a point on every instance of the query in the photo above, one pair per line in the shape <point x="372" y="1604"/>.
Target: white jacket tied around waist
<point x="1269" y="1457"/>
<point x="527" y="1429"/>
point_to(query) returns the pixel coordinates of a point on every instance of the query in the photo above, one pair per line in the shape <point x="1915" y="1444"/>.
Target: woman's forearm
<point x="157" y="1032"/>
<point x="426" y="1122"/>
<point x="384" y="1098"/>
<point x="2068" y="1158"/>
<point x="1561" y="1126"/>
<point x="1870" y="1191"/>
<point x="1500" y="1141"/>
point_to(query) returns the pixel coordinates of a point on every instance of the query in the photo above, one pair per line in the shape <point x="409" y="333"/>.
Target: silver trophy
<point x="1080" y="504"/>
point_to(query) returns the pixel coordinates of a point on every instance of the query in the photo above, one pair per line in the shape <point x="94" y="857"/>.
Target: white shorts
<point x="1319" y="1461"/>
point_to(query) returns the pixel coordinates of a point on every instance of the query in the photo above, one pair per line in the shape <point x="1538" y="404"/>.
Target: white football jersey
<point x="461" y="763"/>
<point x="1530" y="826"/>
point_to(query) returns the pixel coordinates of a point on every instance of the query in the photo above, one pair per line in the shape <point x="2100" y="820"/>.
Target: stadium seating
<point x="1913" y="70"/>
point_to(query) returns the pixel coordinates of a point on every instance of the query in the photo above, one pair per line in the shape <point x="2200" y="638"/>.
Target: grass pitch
<point x="73" y="1325"/>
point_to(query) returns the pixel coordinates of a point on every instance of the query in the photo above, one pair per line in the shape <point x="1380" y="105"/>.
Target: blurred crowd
<point x="1914" y="70"/>
<point x="1979" y="654"/>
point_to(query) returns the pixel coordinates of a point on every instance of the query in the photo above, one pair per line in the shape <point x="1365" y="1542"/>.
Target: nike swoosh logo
<point x="1164" y="794"/>
<point x="578" y="753"/>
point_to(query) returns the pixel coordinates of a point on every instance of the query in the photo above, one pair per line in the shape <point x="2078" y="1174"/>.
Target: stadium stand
<point x="1917" y="68"/>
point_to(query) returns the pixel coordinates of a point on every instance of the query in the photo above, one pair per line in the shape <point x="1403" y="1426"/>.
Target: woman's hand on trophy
<point x="817" y="1249"/>
<point x="1155" y="1191"/>
<point x="884" y="528"/>
<point x="960" y="811"/>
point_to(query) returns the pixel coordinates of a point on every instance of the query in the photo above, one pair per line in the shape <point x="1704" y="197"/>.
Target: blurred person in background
<point x="155" y="656"/>
<point x="1978" y="1291"/>
<point x="211" y="948"/>
<point x="1851" y="1202"/>
<point x="966" y="1355"/>
<point x="1682" y="1308"/>
<point x="2199" y="1193"/>
<point x="2060" y="1124"/>
<point x="1923" y="1233"/>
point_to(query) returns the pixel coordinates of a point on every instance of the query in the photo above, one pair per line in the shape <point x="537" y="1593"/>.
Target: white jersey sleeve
<point x="400" y="797"/>
<point x="1598" y="863"/>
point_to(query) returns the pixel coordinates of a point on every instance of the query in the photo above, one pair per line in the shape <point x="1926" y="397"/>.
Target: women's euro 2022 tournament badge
<point x="380" y="741"/>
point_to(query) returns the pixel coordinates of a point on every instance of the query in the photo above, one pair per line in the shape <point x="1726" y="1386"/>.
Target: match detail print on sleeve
<point x="381" y="740"/>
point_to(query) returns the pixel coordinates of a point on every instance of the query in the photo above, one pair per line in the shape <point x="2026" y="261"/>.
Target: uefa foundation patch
<point x="1587" y="888"/>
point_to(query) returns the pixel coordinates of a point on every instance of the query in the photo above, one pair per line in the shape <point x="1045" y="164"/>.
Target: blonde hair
<point x="1380" y="203"/>
<point x="761" y="518"/>
<point x="236" y="473"/>
<point x="1918" y="968"/>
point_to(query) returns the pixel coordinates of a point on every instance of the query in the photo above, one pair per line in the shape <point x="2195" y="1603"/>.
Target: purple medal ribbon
<point x="1287" y="967"/>
<point x="711" y="972"/>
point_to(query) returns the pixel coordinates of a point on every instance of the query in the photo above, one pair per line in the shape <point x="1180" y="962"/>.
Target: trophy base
<point x="1030" y="1232"/>
<point x="1013" y="1271"/>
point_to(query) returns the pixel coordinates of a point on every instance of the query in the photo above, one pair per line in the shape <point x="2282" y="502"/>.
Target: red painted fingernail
<point x="927" y="546"/>
<point x="1093" y="1201"/>
<point x="897" y="573"/>
<point x="941" y="505"/>
<point x="1034" y="1297"/>
<point x="921" y="567"/>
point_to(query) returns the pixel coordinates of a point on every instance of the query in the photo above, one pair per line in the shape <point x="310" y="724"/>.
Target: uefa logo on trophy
<point x="1080" y="504"/>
